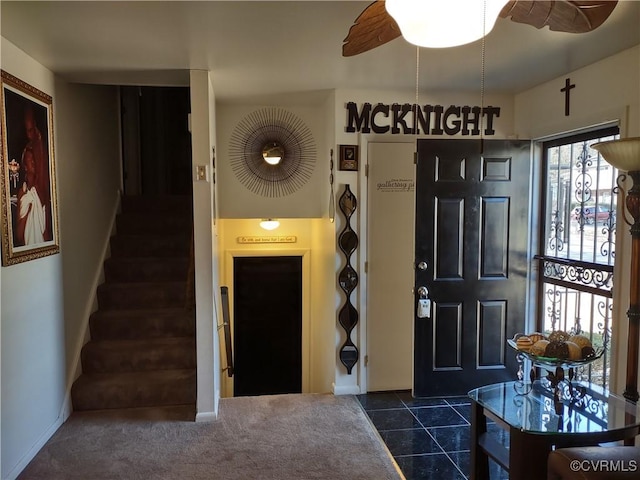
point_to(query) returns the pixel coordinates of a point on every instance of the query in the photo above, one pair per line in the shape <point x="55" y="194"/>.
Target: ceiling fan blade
<point x="560" y="15"/>
<point x="373" y="27"/>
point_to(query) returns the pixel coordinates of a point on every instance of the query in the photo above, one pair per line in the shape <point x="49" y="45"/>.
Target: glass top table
<point x="540" y="418"/>
<point x="587" y="409"/>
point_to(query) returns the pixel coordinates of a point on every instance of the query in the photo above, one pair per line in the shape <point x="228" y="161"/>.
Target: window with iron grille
<point x="577" y="244"/>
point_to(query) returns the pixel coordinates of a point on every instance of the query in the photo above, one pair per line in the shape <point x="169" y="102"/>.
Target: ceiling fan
<point x="375" y="26"/>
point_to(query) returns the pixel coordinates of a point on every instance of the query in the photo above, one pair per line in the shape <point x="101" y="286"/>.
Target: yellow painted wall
<point x="314" y="241"/>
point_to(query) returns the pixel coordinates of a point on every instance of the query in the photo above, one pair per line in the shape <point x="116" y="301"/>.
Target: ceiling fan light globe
<point x="444" y="23"/>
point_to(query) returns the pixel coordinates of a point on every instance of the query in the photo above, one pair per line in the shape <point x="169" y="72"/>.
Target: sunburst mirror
<point x="272" y="152"/>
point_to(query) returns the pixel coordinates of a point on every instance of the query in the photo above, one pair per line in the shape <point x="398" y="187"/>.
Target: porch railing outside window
<point x="578" y="243"/>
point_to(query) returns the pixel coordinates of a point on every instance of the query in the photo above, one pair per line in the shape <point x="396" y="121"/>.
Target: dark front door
<point x="472" y="234"/>
<point x="267" y="308"/>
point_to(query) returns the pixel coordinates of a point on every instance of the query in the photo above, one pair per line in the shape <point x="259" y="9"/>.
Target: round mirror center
<point x="273" y="153"/>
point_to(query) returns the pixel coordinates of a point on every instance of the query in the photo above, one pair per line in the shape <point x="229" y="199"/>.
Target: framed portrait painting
<point x="29" y="207"/>
<point x="348" y="157"/>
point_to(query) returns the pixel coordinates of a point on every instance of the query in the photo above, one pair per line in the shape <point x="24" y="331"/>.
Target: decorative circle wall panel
<point x="254" y="134"/>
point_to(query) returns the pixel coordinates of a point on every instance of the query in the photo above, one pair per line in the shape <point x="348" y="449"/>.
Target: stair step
<point x="140" y="323"/>
<point x="152" y="269"/>
<point x="142" y="350"/>
<point x="151" y="245"/>
<point x="141" y="223"/>
<point x="138" y="355"/>
<point x="97" y="391"/>
<point x="156" y="203"/>
<point x="116" y="296"/>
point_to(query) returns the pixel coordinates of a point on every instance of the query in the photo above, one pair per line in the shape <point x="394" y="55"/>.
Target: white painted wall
<point x="88" y="116"/>
<point x="607" y="91"/>
<point x="43" y="318"/>
<point x="203" y="128"/>
<point x="324" y="280"/>
<point x="215" y="248"/>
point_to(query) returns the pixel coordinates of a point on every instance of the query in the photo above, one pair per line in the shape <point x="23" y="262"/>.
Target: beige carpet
<point x="275" y="437"/>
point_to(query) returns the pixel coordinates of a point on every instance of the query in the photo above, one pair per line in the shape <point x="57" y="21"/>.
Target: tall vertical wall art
<point x="348" y="279"/>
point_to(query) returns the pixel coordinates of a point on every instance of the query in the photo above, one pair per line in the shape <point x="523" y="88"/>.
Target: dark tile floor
<point x="428" y="437"/>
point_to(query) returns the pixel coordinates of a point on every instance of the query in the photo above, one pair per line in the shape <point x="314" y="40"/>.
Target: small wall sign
<point x="251" y="239"/>
<point x="396" y="185"/>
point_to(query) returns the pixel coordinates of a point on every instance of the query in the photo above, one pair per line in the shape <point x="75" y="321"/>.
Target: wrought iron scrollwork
<point x="556" y="238"/>
<point x="585" y="274"/>
<point x="583" y="182"/>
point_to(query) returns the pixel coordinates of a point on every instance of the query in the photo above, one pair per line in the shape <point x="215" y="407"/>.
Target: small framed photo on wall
<point x="349" y="157"/>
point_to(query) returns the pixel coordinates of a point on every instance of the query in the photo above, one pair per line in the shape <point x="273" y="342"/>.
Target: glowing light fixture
<point x="444" y="23"/>
<point x="273" y="153"/>
<point x="269" y="223"/>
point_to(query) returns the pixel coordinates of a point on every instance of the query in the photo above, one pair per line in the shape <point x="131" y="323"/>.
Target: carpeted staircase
<point x="142" y="347"/>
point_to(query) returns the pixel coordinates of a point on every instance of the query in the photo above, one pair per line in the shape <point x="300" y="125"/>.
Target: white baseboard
<point x="346" y="389"/>
<point x="67" y="407"/>
<point x="33" y="451"/>
<point x="204" y="417"/>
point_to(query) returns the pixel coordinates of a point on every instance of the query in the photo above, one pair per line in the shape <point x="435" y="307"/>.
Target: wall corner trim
<point x="346" y="389"/>
<point x="204" y="417"/>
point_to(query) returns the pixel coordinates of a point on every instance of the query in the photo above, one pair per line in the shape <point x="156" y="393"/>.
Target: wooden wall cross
<point x="567" y="95"/>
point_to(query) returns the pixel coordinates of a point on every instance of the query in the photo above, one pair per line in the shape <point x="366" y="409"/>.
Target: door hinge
<point x="415" y="158"/>
<point x="366" y="360"/>
<point x="366" y="170"/>
<point x="366" y="267"/>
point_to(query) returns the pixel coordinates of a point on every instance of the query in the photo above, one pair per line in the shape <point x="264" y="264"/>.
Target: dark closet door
<point x="267" y="309"/>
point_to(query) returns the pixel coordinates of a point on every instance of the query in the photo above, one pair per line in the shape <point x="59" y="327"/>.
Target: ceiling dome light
<point x="444" y="23"/>
<point x="270" y="224"/>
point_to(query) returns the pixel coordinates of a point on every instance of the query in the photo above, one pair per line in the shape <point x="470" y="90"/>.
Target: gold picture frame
<point x="28" y="176"/>
<point x="348" y="157"/>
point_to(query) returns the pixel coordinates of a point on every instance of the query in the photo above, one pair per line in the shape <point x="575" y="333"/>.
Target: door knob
<point x="423" y="292"/>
